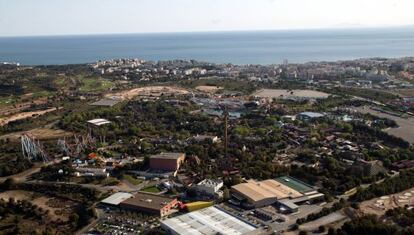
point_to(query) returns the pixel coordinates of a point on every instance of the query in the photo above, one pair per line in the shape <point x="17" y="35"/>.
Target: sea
<point x="249" y="47"/>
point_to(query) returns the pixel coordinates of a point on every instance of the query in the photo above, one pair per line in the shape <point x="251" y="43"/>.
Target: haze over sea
<point x="258" y="47"/>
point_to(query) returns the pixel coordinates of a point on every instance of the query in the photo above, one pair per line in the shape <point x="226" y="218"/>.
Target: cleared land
<point x="290" y="94"/>
<point x="406" y="92"/>
<point x="150" y="91"/>
<point x="380" y="205"/>
<point x="38" y="133"/>
<point x="209" y="89"/>
<point x="406" y="125"/>
<point x="59" y="209"/>
<point x="24" y="115"/>
<point x="18" y="107"/>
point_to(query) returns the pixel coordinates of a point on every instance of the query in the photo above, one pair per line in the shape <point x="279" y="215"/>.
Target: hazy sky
<point x="55" y="17"/>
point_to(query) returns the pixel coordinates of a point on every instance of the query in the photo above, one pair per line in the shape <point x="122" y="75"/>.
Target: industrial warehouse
<point x="207" y="221"/>
<point x="286" y="192"/>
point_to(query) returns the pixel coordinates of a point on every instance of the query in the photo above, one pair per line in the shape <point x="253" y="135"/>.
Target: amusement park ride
<point x="79" y="145"/>
<point x="33" y="150"/>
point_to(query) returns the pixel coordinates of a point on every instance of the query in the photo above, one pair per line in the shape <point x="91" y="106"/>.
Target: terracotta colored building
<point x="166" y="161"/>
<point x="150" y="204"/>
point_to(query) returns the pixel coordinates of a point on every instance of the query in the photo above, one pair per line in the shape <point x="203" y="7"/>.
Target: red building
<point x="150" y="204"/>
<point x="166" y="161"/>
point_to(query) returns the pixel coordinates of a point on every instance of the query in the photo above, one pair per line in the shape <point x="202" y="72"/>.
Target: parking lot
<point x="278" y="221"/>
<point x="123" y="223"/>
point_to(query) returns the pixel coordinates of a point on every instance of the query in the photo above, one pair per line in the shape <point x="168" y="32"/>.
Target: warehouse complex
<point x="285" y="191"/>
<point x="208" y="221"/>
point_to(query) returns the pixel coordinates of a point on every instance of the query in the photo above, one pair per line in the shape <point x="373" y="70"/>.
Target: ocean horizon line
<point x="214" y="31"/>
<point x="239" y="48"/>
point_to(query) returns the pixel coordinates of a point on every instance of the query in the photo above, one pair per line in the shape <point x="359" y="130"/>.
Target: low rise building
<point x="166" y="161"/>
<point x="368" y="168"/>
<point x="209" y="187"/>
<point x="92" y="172"/>
<point x="283" y="191"/>
<point x="98" y="122"/>
<point x="310" y="116"/>
<point x="95" y="128"/>
<point x="257" y="194"/>
<point x="203" y="138"/>
<point x="404" y="164"/>
<point x="150" y="204"/>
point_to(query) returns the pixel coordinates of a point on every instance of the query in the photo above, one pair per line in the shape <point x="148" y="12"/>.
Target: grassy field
<point x="152" y="189"/>
<point x="242" y="86"/>
<point x="95" y="84"/>
<point x="132" y="180"/>
<point x="8" y="100"/>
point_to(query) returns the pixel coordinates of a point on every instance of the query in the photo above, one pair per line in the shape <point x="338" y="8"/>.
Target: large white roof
<point x="99" y="122"/>
<point x="208" y="221"/>
<point x="117" y="198"/>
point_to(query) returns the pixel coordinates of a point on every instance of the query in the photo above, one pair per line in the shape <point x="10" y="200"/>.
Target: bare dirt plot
<point x="16" y="194"/>
<point x="58" y="209"/>
<point x="406" y="125"/>
<point x="24" y="115"/>
<point x="39" y="133"/>
<point x="11" y="109"/>
<point x="290" y="94"/>
<point x="406" y="92"/>
<point x="209" y="89"/>
<point x="378" y="206"/>
<point x="154" y="91"/>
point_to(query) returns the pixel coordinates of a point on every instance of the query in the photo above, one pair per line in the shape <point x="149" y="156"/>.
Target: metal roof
<point x="173" y="156"/>
<point x="144" y="200"/>
<point x="312" y="114"/>
<point x="208" y="221"/>
<point x="106" y="102"/>
<point x="257" y="191"/>
<point x="117" y="198"/>
<point x="99" y="122"/>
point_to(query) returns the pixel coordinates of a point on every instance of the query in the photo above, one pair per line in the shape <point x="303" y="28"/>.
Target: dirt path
<point x="24" y="115"/>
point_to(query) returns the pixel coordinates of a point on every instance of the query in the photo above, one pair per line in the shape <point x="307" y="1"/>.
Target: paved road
<point x="406" y="125"/>
<point x="331" y="218"/>
<point x="305" y="210"/>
